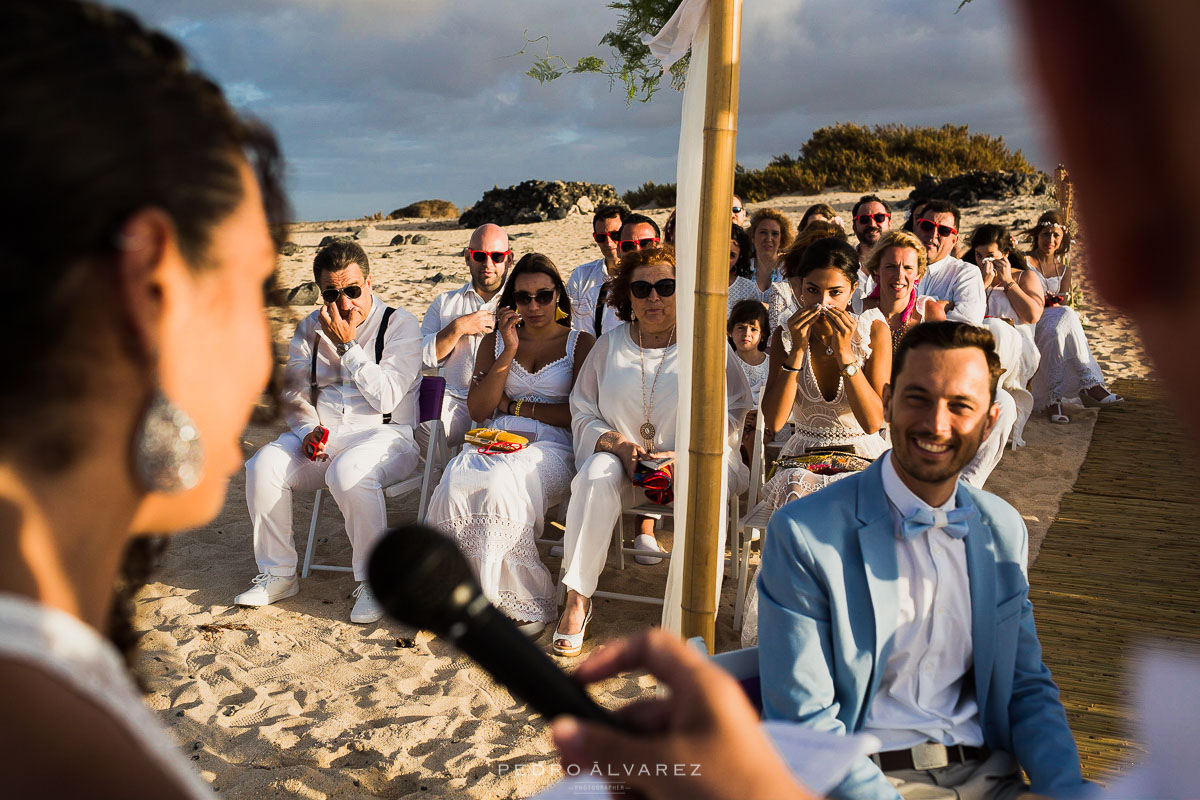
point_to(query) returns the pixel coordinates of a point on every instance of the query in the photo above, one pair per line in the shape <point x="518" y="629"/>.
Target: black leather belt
<point x="903" y="759"/>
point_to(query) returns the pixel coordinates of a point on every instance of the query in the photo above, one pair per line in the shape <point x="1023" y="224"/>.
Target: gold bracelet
<point x="517" y="410"/>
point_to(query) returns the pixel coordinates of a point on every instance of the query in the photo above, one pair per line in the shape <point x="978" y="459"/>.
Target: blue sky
<point x="379" y="103"/>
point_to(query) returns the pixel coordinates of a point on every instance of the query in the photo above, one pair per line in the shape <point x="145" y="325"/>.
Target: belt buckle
<point x="930" y="755"/>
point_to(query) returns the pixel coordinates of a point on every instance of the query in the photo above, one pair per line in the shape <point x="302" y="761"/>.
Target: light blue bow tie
<point x="955" y="523"/>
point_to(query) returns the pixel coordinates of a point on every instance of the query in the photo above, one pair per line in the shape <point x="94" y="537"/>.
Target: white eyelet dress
<point x="494" y="505"/>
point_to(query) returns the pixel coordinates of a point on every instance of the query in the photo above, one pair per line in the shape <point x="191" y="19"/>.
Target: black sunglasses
<point x="928" y="225"/>
<point x="332" y="295"/>
<point x="865" y="219"/>
<point x="641" y="289"/>
<point x="544" y="297"/>
<point x="629" y="245"/>
<point x="737" y="209"/>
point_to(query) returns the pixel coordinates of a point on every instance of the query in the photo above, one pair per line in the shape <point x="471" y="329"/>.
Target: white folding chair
<point x="432" y="462"/>
<point x="746" y="528"/>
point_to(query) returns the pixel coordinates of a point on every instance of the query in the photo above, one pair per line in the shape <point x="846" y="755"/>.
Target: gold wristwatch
<point x="850" y="370"/>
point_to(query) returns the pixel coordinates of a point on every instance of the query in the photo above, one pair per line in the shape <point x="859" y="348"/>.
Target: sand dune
<point x="292" y="700"/>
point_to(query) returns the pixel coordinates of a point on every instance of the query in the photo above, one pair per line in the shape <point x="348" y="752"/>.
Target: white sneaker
<point x="644" y="541"/>
<point x="266" y="589"/>
<point x="366" y="608"/>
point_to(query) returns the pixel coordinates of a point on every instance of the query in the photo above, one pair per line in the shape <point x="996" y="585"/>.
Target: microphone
<point x="421" y="579"/>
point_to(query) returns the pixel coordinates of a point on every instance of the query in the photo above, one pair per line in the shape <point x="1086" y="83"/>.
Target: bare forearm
<point x="864" y="402"/>
<point x="1027" y="308"/>
<point x="446" y="339"/>
<point x="484" y="396"/>
<point x="557" y="414"/>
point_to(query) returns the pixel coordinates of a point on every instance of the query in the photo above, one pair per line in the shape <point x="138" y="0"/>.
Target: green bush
<point x="860" y="158"/>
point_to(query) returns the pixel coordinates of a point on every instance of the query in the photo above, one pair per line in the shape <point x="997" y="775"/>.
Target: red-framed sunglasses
<point x="480" y="256"/>
<point x="605" y="236"/>
<point x="865" y="219"/>
<point x="629" y="245"/>
<point x="928" y="225"/>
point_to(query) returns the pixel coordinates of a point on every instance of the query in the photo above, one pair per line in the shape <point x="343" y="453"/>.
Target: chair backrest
<point x="429" y="398"/>
<point x="757" y="467"/>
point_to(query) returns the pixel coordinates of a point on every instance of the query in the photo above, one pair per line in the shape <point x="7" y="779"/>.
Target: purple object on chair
<point x="429" y="398"/>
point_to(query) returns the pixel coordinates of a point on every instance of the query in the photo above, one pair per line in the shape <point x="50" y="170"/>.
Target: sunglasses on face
<point x="544" y="297"/>
<point x="865" y="219"/>
<point x="606" y="236"/>
<point x="629" y="245"/>
<point x="480" y="256"/>
<point x="333" y="294"/>
<point x="928" y="226"/>
<point x="737" y="209"/>
<point x="641" y="289"/>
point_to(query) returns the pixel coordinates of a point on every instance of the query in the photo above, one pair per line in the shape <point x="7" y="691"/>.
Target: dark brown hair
<point x="1048" y="218"/>
<point x="536" y="264"/>
<point x="824" y="209"/>
<point x="790" y="263"/>
<point x="999" y="236"/>
<point x="618" y="285"/>
<point x="105" y="118"/>
<point x="949" y="335"/>
<point x="336" y="256"/>
<point x="749" y="311"/>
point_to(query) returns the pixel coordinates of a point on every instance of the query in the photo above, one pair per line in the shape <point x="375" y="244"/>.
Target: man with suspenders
<point x="586" y="284"/>
<point x="350" y="400"/>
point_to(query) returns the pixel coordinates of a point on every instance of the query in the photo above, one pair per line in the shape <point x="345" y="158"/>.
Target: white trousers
<point x="599" y="492"/>
<point x="361" y="462"/>
<point x="980" y="467"/>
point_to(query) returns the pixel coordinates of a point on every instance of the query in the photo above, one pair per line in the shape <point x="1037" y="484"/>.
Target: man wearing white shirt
<point x="457" y="320"/>
<point x="350" y="400"/>
<point x="949" y="278"/>
<point x="587" y="280"/>
<point x="870" y="218"/>
<point x="895" y="602"/>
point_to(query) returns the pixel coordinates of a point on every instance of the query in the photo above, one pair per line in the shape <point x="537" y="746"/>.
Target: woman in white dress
<point x="127" y="383"/>
<point x="828" y="370"/>
<point x="1015" y="301"/>
<point x="1068" y="369"/>
<point x="624" y="409"/>
<point x="771" y="234"/>
<point x="780" y="299"/>
<point x="741" y="272"/>
<point x="494" y="504"/>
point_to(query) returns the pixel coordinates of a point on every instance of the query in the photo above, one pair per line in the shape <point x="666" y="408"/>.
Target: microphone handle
<point x="494" y="641"/>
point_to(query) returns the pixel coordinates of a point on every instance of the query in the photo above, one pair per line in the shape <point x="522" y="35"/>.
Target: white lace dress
<point x="1067" y="364"/>
<point x="1019" y="356"/>
<point x="742" y="289"/>
<point x="494" y="505"/>
<point x="63" y="647"/>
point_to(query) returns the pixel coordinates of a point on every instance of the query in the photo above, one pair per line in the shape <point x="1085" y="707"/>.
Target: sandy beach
<point x="292" y="700"/>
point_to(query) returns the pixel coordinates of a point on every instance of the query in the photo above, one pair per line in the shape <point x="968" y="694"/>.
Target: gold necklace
<point x="647" y="429"/>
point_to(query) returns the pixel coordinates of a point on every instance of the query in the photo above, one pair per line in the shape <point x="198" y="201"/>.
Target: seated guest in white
<point x="458" y="319"/>
<point x="896" y="266"/>
<point x="870" y="219"/>
<point x="781" y="297"/>
<point x="741" y="274"/>
<point x="771" y="234"/>
<point x="896" y="602"/>
<point x="353" y="371"/>
<point x="948" y="278"/>
<point x="587" y="280"/>
<point x="1014" y="305"/>
<point x="623" y="409"/>
<point x="739" y="212"/>
<point x="1068" y="368"/>
<point x="493" y="504"/>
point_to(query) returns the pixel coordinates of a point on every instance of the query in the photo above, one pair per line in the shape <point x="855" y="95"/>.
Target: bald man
<point x="458" y="319"/>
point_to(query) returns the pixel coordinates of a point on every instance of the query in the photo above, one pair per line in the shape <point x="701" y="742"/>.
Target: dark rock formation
<point x="536" y="201"/>
<point x="289" y="249"/>
<point x="971" y="187"/>
<point x="426" y="209"/>
<point x="332" y="239"/>
<point x="419" y="238"/>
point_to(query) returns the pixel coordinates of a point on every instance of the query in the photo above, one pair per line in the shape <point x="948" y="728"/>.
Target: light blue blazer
<point x="827" y="615"/>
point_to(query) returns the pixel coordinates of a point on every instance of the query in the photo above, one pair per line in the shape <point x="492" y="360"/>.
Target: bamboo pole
<point x="707" y="442"/>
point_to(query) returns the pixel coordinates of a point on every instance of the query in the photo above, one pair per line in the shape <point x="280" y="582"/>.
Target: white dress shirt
<point x="354" y="391"/>
<point x="459" y="366"/>
<point x="961" y="283"/>
<point x="922" y="696"/>
<point x="583" y="289"/>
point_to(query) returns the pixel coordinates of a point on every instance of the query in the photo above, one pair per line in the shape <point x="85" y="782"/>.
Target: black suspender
<point x="313" y="389"/>
<point x="598" y="316"/>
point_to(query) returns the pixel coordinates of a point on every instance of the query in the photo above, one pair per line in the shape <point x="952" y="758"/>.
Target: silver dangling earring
<point x="168" y="455"/>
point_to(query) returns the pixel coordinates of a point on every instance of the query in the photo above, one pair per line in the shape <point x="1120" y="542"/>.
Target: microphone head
<point x="420" y="578"/>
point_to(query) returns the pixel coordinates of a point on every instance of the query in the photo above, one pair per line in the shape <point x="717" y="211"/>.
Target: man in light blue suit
<point x="895" y="602"/>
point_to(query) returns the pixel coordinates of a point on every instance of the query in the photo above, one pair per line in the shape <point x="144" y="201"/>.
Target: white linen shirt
<point x="583" y="289"/>
<point x="459" y="366"/>
<point x="955" y="280"/>
<point x="921" y="697"/>
<point x="354" y="391"/>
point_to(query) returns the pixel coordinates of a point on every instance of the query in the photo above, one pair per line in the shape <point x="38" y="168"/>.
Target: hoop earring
<point x="168" y="455"/>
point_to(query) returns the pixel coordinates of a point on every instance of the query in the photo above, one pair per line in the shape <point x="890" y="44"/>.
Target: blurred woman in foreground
<point x="139" y="246"/>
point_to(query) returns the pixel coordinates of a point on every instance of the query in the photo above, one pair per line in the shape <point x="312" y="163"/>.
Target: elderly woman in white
<point x="623" y="409"/>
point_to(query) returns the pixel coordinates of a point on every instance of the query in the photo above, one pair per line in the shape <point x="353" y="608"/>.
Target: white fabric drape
<point x="671" y="42"/>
